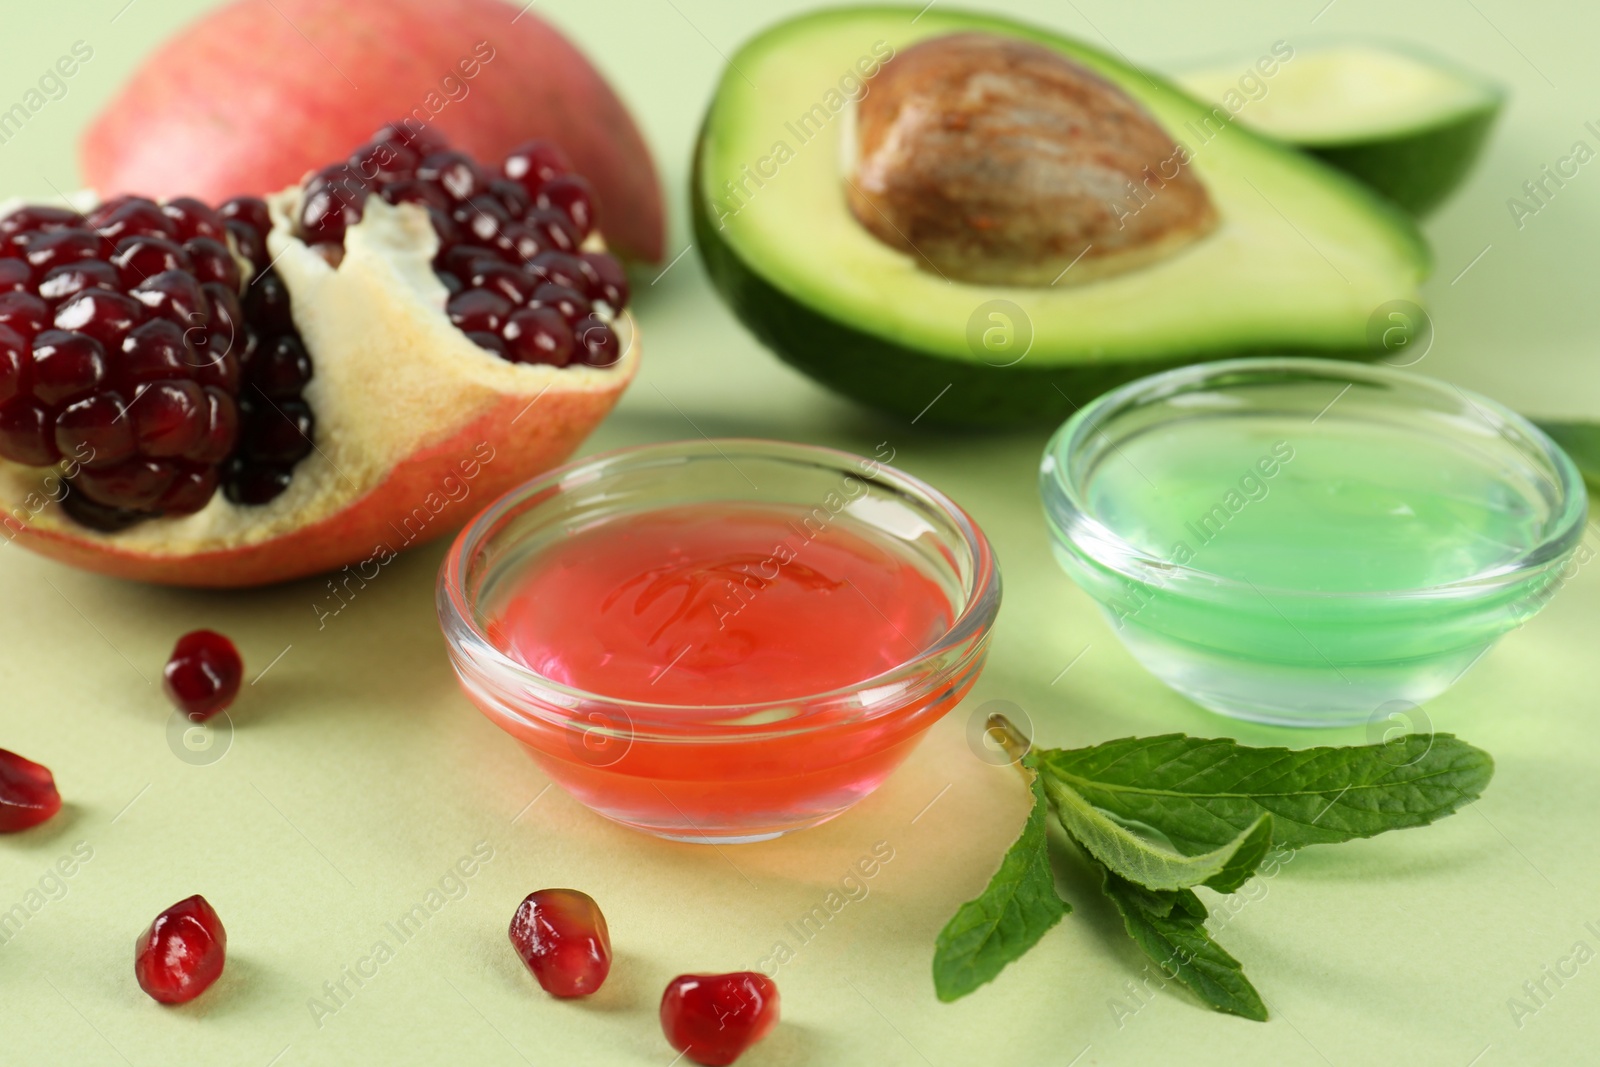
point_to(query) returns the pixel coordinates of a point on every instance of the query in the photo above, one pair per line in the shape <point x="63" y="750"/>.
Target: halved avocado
<point x="1301" y="258"/>
<point x="1409" y="125"/>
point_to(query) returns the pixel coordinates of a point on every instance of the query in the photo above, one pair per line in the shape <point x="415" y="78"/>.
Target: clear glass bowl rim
<point x="966" y="635"/>
<point x="1065" y="505"/>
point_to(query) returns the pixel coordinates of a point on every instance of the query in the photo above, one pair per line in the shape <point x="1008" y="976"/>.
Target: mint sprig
<point x="1160" y="815"/>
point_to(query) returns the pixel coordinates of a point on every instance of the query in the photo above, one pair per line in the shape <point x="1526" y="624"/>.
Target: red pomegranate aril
<point x="251" y="245"/>
<point x="489" y="342"/>
<point x="451" y="283"/>
<point x="249" y="210"/>
<point x="213" y="262"/>
<point x="138" y="258"/>
<point x="255" y="483"/>
<point x="561" y="936"/>
<point x="331" y="209"/>
<point x="552" y="230"/>
<point x="502" y="278"/>
<point x="93" y="515"/>
<point x="413" y="191"/>
<point x="539" y="335"/>
<point x="15" y="359"/>
<point x="569" y="302"/>
<point x="533" y="163"/>
<point x="714" y="1018"/>
<point x="226" y="313"/>
<point x="282" y="368"/>
<point x="27" y="434"/>
<point x="573" y="196"/>
<point x="558" y="268"/>
<point x="39" y="218"/>
<point x="176" y="296"/>
<point x="190" y="491"/>
<point x="512" y="195"/>
<point x="24" y="313"/>
<point x="203" y="674"/>
<point x="221" y="434"/>
<point x="51" y="249"/>
<point x="266" y="304"/>
<point x="66" y="365"/>
<point x="217" y="365"/>
<point x="15" y="276"/>
<point x="135" y="217"/>
<point x="278" y="433"/>
<point x="97" y="427"/>
<point x="193" y="219"/>
<point x="169" y="419"/>
<point x="516" y="243"/>
<point x="69" y="279"/>
<point x="103" y="314"/>
<point x="607" y="280"/>
<point x="135" y="484"/>
<point x="182" y="953"/>
<point x="413" y="135"/>
<point x="28" y="794"/>
<point x="384" y="161"/>
<point x="481" y="218"/>
<point x="456" y="173"/>
<point x="598" y="345"/>
<point x="478" y="309"/>
<point x="464" y="261"/>
<point x="152" y="352"/>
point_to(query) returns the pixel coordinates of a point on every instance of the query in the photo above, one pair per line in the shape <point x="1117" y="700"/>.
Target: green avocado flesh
<point x="1302" y="261"/>
<point x="1409" y="126"/>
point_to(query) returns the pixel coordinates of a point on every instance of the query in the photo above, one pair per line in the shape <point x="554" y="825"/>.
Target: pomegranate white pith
<point x="403" y="401"/>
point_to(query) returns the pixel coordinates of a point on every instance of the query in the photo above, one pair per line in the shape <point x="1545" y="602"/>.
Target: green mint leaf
<point x="1015" y="910"/>
<point x="1171" y="929"/>
<point x="1204" y="794"/>
<point x="1145" y="863"/>
<point x="1581" y="440"/>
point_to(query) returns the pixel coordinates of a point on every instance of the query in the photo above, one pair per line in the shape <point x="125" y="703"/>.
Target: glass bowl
<point x="720" y="773"/>
<point x="1305" y="541"/>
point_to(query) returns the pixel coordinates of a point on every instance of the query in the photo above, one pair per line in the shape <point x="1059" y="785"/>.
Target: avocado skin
<point x="904" y="382"/>
<point x="1416" y="171"/>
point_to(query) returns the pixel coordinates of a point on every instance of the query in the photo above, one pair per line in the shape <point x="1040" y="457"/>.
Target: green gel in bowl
<point x="1307" y="542"/>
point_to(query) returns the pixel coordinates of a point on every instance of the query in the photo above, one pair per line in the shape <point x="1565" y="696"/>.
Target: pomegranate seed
<point x="331" y="208"/>
<point x="202" y="677"/>
<point x="176" y="296"/>
<point x="192" y="219"/>
<point x="478" y="309"/>
<point x="515" y="285"/>
<point x="384" y="161"/>
<point x="227" y="315"/>
<point x="24" y="313"/>
<point x="562" y="939"/>
<point x="96" y="426"/>
<point x="251" y="245"/>
<point x="552" y="230"/>
<point x="135" y="484"/>
<point x="38" y="218"/>
<point x="713" y="1018"/>
<point x="490" y="342"/>
<point x="69" y="279"/>
<point x="413" y="191"/>
<point x="138" y="258"/>
<point x="532" y="164"/>
<point x="27" y="433"/>
<point x="134" y="217"/>
<point x="607" y="280"/>
<point x="213" y="262"/>
<point x="539" y="335"/>
<point x="267" y="304"/>
<point x="569" y="302"/>
<point x="407" y="132"/>
<point x="455" y="172"/>
<point x="190" y="491"/>
<point x="559" y="268"/>
<point x="255" y="483"/>
<point x="282" y="369"/>
<point x="15" y="276"/>
<point x="102" y="314"/>
<point x="517" y="242"/>
<point x="250" y="210"/>
<point x="597" y="342"/>
<point x="450" y="282"/>
<point x="512" y="195"/>
<point x="169" y="419"/>
<point x="278" y="433"/>
<point x="53" y="248"/>
<point x="464" y="261"/>
<point x="15" y="359"/>
<point x="97" y="516"/>
<point x="222" y="429"/>
<point x="573" y="196"/>
<point x="482" y="217"/>
<point x="152" y="352"/>
<point x="182" y="953"/>
<point x="66" y="365"/>
<point x="27" y="793"/>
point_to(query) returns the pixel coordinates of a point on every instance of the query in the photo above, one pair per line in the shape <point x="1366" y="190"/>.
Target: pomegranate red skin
<point x="182" y="953"/>
<point x="203" y="675"/>
<point x="289" y="110"/>
<point x="28" y="793"/>
<point x="561" y="937"/>
<point x="713" y="1018"/>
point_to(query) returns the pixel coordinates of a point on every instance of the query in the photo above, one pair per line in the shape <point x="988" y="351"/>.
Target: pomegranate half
<point x="417" y="424"/>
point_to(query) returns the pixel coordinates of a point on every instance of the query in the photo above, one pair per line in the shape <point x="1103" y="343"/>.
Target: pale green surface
<point x="358" y="774"/>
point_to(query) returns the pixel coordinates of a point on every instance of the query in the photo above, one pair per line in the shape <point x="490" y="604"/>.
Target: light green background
<point x="358" y="775"/>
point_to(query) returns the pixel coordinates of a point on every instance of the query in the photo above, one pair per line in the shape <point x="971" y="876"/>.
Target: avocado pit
<point x="996" y="161"/>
